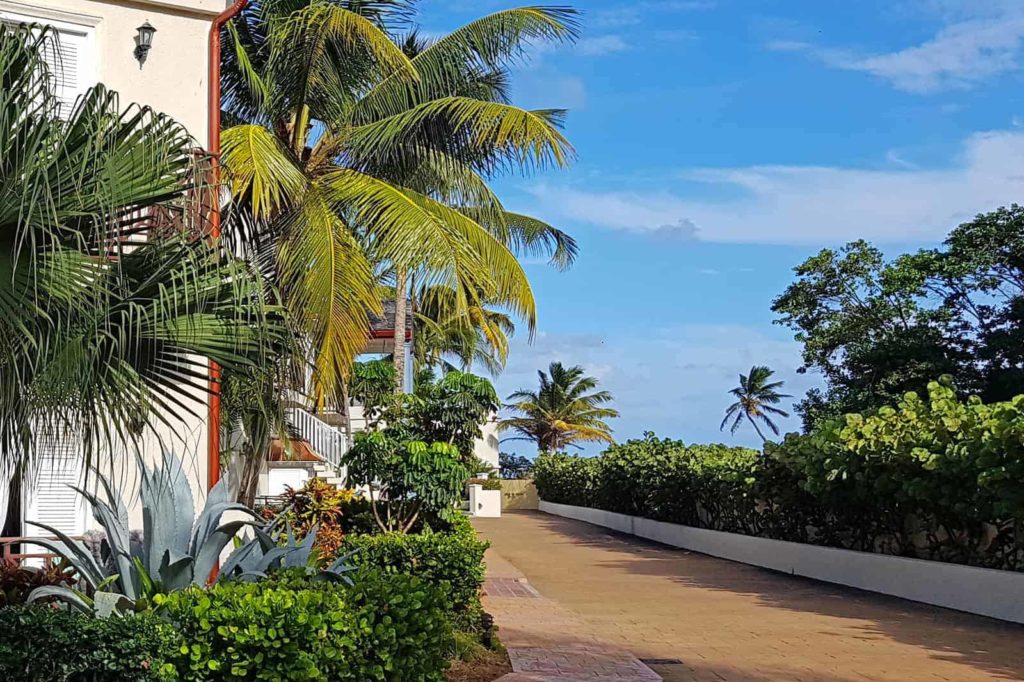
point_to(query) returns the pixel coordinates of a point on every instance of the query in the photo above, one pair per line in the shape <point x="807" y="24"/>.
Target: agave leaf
<point x="210" y="551"/>
<point x="209" y="520"/>
<point x="168" y="511"/>
<point x="176" y="574"/>
<point x="109" y="603"/>
<point x="272" y="557"/>
<point x="116" y="526"/>
<point x="72" y="598"/>
<point x="73" y="551"/>
<point x="299" y="554"/>
<point x="243" y="559"/>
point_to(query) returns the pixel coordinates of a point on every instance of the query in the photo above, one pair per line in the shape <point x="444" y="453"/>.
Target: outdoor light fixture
<point x="143" y="41"/>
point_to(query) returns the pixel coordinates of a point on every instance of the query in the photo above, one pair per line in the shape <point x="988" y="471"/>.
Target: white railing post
<point x="325" y="440"/>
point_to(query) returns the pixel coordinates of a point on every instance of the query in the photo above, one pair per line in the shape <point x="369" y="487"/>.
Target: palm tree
<point x="350" y="158"/>
<point x="564" y="411"/>
<point x="106" y="334"/>
<point x="755" y="400"/>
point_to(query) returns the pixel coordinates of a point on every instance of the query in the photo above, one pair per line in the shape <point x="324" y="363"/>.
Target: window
<point x="72" y="59"/>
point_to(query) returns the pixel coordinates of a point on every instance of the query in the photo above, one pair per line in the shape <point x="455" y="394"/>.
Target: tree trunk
<point x="346" y="411"/>
<point x="754" y="424"/>
<point x="401" y="284"/>
<point x="251" y="470"/>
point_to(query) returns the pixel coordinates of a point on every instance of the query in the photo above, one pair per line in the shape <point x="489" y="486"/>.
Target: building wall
<point x="172" y="80"/>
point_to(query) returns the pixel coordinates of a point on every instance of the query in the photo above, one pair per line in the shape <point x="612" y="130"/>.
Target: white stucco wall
<point x="173" y="78"/>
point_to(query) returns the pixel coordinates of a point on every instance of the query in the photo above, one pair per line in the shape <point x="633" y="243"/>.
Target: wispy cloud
<point x="809" y="204"/>
<point x="672" y="380"/>
<point x="599" y="46"/>
<point x="980" y="41"/>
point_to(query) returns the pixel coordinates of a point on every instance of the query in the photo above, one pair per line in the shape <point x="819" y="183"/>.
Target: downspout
<point x="213" y="147"/>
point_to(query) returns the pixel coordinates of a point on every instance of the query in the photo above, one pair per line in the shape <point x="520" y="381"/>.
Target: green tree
<point x="565" y="410"/>
<point x="877" y="329"/>
<point x="106" y="333"/>
<point x="350" y="159"/>
<point x="756" y="398"/>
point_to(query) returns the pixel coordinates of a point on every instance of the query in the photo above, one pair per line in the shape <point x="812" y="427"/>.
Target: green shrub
<point x="452" y="559"/>
<point x="47" y="644"/>
<point x="386" y="627"/>
<point x="933" y="478"/>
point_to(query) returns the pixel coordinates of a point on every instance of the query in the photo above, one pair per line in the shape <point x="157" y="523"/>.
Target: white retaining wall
<point x="983" y="591"/>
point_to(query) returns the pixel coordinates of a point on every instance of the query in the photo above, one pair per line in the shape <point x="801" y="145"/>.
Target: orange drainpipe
<point x="213" y="146"/>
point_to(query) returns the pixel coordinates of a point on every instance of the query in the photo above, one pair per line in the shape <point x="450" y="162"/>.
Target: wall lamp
<point x="143" y="41"/>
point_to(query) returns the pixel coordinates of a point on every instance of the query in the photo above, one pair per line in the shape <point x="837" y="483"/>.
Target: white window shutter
<point x="67" y="58"/>
<point x="64" y="57"/>
<point x="49" y="499"/>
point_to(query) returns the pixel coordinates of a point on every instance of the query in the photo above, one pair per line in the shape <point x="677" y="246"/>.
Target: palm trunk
<point x="754" y="424"/>
<point x="401" y="284"/>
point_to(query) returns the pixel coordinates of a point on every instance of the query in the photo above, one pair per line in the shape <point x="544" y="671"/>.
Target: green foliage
<point x="384" y="627"/>
<point x="565" y="410"/>
<point x="453" y="559"/>
<point x="514" y="466"/>
<point x="372" y="385"/>
<point x="106" y="340"/>
<point x="877" y="329"/>
<point x="178" y="548"/>
<point x="933" y="478"/>
<point x="416" y="479"/>
<point x="44" y="644"/>
<point x="451" y="409"/>
<point x="756" y="398"/>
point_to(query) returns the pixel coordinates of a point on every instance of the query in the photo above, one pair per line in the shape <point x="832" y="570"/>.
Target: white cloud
<point x="810" y="204"/>
<point x="673" y="380"/>
<point x="979" y="41"/>
<point x="600" y="46"/>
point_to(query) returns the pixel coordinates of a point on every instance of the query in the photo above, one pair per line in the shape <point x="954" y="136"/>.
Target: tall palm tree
<point x="349" y="154"/>
<point x="106" y="333"/>
<point x="756" y="398"/>
<point x="565" y="410"/>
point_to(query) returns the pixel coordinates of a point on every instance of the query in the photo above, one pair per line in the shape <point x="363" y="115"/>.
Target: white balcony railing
<point x="325" y="440"/>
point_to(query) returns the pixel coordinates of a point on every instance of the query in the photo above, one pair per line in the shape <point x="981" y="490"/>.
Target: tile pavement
<point x="574" y="602"/>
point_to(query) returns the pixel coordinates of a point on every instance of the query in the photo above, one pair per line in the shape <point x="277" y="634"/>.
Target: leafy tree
<point x="512" y="465"/>
<point x="407" y="479"/>
<point x="756" y="398"/>
<point x="106" y="333"/>
<point x="565" y="410"/>
<point x="352" y="159"/>
<point x="877" y="329"/>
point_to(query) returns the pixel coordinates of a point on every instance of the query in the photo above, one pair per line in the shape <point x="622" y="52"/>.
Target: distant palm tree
<point x="755" y="400"/>
<point x="566" y="410"/>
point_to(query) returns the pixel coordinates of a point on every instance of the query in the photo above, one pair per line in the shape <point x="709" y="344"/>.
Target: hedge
<point x="933" y="478"/>
<point x="451" y="559"/>
<point x="48" y="644"/>
<point x="389" y="628"/>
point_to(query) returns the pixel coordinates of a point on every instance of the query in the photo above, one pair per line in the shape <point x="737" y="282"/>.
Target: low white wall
<point x="983" y="591"/>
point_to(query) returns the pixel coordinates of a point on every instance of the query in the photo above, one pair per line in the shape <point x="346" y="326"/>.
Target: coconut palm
<point x="756" y="397"/>
<point x="356" y="153"/>
<point x="449" y="338"/>
<point x="105" y="332"/>
<point x="565" y="410"/>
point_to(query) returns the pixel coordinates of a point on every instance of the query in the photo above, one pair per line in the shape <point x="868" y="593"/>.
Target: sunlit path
<point x="726" y="621"/>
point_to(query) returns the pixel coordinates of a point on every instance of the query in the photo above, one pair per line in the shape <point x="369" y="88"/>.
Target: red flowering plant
<point x="316" y="504"/>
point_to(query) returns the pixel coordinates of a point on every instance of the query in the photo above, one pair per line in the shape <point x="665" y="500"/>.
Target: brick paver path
<point x="723" y="620"/>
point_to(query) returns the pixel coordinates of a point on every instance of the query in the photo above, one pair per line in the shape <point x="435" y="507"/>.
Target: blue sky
<point x="720" y="143"/>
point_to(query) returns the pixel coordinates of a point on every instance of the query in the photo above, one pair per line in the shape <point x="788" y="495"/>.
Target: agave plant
<point x="177" y="548"/>
<point x="275" y="548"/>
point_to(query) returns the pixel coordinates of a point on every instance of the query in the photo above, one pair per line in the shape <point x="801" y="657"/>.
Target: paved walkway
<point x="562" y="584"/>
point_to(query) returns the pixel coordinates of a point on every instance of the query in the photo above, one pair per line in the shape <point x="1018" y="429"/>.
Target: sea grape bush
<point x="934" y="478"/>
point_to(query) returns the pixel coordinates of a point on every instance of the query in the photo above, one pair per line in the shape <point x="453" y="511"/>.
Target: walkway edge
<point x="981" y="591"/>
